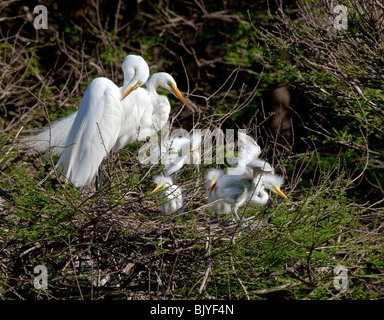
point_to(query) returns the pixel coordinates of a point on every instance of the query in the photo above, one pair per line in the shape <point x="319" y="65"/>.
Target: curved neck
<point x="260" y="197"/>
<point x="152" y="85"/>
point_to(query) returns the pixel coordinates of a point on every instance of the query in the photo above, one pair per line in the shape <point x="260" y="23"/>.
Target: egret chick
<point x="248" y="148"/>
<point x="233" y="189"/>
<point x="263" y="182"/>
<point x="212" y="192"/>
<point x="172" y="197"/>
<point x="177" y="151"/>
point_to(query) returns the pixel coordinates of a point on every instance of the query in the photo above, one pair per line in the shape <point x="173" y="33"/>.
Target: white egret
<point x="93" y="133"/>
<point x="54" y="137"/>
<point x="172" y="197"/>
<point x="231" y="190"/>
<point x="96" y="126"/>
<point x="218" y="205"/>
<point x="177" y="151"/>
<point x="145" y="111"/>
<point x="149" y="109"/>
<point x="160" y="103"/>
<point x="269" y="181"/>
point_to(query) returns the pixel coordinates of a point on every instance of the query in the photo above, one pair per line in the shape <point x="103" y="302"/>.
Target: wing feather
<point x="93" y="133"/>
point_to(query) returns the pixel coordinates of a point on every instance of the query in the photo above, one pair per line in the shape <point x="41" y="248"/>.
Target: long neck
<point x="260" y="197"/>
<point x="152" y="85"/>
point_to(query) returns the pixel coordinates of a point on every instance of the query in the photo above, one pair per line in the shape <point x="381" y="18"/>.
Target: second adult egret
<point x="149" y="109"/>
<point x="160" y="103"/>
<point x="172" y="197"/>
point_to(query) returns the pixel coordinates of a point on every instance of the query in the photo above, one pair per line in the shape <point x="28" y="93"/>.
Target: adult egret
<point x="93" y="133"/>
<point x="149" y="109"/>
<point x="232" y="190"/>
<point x="96" y="127"/>
<point x="172" y="197"/>
<point x="145" y="112"/>
<point x="54" y="137"/>
<point x="160" y="103"/>
<point x="177" y="151"/>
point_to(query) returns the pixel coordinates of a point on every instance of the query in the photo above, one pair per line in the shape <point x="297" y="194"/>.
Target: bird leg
<point x="235" y="216"/>
<point x="100" y="177"/>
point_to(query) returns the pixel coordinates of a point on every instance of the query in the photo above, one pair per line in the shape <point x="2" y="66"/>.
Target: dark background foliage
<point x="311" y="95"/>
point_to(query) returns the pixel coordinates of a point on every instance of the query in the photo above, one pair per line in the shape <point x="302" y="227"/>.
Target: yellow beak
<point x="279" y="192"/>
<point x="178" y="94"/>
<point x="130" y="89"/>
<point x="159" y="187"/>
<point x="193" y="149"/>
<point x="212" y="185"/>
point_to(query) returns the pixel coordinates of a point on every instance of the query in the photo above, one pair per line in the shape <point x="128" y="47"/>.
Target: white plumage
<point x="160" y="103"/>
<point x="54" y="137"/>
<point x="213" y="193"/>
<point x="93" y="133"/>
<point x="173" y="153"/>
<point x="98" y="122"/>
<point x="249" y="150"/>
<point x="172" y="198"/>
<point x="263" y="182"/>
<point x="230" y="191"/>
<point x="145" y="112"/>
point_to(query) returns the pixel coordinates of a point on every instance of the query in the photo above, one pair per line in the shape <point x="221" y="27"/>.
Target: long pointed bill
<point x="130" y="89"/>
<point x="159" y="187"/>
<point x="279" y="192"/>
<point x="212" y="185"/>
<point x="178" y="94"/>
